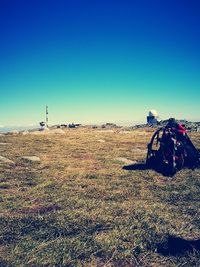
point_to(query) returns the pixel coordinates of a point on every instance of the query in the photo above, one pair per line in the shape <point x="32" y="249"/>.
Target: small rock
<point x="25" y="132"/>
<point x="31" y="158"/>
<point x="57" y="131"/>
<point x="101" y="141"/>
<point x="4" y="144"/>
<point x="124" y="132"/>
<point x="5" y="160"/>
<point x="14" y="132"/>
<point x="105" y="131"/>
<point x="127" y="161"/>
<point x="138" y="150"/>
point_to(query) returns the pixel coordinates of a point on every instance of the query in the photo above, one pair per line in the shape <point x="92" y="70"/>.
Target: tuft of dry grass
<point x="78" y="207"/>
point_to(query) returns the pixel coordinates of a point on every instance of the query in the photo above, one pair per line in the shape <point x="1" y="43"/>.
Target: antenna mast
<point x="47" y="119"/>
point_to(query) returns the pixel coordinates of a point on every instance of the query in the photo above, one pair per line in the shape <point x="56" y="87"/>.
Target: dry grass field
<point x="78" y="207"/>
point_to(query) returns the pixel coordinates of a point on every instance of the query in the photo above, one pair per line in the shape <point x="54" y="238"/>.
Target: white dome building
<point x="152" y="118"/>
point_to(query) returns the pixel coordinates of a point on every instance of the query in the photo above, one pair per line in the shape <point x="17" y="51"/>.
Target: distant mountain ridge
<point x="16" y="128"/>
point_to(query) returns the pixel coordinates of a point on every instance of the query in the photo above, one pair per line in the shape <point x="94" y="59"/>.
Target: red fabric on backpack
<point x="181" y="129"/>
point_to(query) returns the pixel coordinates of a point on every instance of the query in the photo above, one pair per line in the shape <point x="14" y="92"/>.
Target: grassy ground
<point x="78" y="207"/>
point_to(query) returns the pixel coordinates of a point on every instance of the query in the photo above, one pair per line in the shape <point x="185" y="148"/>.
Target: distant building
<point x="152" y="118"/>
<point x="74" y="125"/>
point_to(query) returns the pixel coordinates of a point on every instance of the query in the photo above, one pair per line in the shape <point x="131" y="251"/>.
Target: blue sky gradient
<point x="96" y="61"/>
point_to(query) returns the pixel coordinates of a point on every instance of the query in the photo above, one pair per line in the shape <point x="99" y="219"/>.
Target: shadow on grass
<point x="176" y="246"/>
<point x="133" y="167"/>
<point x="143" y="166"/>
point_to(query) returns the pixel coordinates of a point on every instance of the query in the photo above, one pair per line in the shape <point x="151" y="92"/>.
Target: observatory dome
<point x="153" y="113"/>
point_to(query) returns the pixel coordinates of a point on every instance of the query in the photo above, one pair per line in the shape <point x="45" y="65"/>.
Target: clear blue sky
<point x="98" y="60"/>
